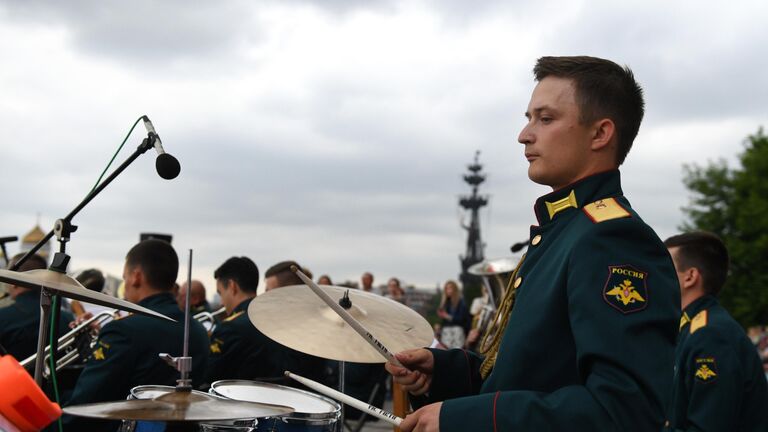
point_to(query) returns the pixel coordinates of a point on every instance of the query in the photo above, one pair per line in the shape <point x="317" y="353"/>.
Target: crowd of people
<point x="603" y="325"/>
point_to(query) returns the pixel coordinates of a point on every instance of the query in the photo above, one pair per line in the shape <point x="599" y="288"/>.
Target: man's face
<point x="557" y="146"/>
<point x="367" y="282"/>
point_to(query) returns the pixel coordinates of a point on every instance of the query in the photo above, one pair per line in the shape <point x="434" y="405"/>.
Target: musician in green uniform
<point x="126" y="353"/>
<point x="239" y="350"/>
<point x="20" y="321"/>
<point x="589" y="343"/>
<point x="719" y="380"/>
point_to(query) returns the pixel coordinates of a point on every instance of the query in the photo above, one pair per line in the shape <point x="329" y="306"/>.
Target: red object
<point x="22" y="403"/>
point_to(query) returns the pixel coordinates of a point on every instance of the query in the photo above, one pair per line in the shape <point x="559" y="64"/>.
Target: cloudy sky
<point x="335" y="132"/>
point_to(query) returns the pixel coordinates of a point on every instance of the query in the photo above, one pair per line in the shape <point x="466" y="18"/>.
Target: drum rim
<point x="330" y="417"/>
<point x="159" y="386"/>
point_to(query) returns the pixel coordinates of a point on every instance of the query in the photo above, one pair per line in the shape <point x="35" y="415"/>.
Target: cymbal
<point x="178" y="406"/>
<point x="296" y="317"/>
<point x="494" y="266"/>
<point x="66" y="286"/>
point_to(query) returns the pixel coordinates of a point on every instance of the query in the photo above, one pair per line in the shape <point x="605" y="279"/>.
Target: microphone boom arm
<point x="146" y="144"/>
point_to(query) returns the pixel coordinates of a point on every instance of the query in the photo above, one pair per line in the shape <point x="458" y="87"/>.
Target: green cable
<point x="56" y="298"/>
<point x="115" y="155"/>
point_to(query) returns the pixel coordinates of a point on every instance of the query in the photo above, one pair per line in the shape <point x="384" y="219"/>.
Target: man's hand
<point x="416" y="375"/>
<point x="426" y="419"/>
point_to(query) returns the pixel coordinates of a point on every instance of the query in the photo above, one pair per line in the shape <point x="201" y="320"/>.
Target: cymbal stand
<point x="346" y="303"/>
<point x="49" y="298"/>
<point x="183" y="364"/>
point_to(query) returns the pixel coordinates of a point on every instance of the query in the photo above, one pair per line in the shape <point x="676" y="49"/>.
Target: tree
<point x="733" y="203"/>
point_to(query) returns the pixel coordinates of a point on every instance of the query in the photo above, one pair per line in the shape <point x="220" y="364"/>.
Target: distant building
<point x="31" y="238"/>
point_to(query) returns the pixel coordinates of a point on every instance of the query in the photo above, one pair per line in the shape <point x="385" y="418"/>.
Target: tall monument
<point x="473" y="203"/>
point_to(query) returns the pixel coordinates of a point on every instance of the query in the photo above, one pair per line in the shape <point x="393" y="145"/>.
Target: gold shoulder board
<point x="605" y="209"/>
<point x="699" y="321"/>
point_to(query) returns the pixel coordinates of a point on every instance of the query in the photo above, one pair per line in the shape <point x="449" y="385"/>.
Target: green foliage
<point x="733" y="203"/>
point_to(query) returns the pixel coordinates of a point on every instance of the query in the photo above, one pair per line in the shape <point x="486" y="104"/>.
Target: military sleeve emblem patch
<point x="706" y="369"/>
<point x="625" y="290"/>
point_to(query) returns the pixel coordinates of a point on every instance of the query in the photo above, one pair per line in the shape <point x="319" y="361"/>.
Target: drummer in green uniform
<point x="589" y="343"/>
<point x="126" y="353"/>
<point x="719" y="380"/>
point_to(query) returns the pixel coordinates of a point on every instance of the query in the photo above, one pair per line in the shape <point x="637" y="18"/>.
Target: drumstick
<point x="349" y="400"/>
<point x="346" y="316"/>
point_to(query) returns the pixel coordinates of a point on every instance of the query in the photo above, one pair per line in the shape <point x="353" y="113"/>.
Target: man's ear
<point x="691" y="277"/>
<point x="232" y="286"/>
<point x="135" y="277"/>
<point x="603" y="134"/>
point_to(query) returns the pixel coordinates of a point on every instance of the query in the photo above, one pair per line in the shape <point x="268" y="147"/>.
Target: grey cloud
<point x="144" y="30"/>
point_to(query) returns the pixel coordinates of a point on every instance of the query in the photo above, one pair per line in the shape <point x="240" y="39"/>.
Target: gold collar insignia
<point x="554" y="208"/>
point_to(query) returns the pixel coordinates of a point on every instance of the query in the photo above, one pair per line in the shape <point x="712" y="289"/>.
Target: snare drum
<point x="313" y="413"/>
<point x="153" y="391"/>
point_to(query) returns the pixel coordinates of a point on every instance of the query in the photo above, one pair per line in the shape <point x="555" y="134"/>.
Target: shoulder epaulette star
<point x="699" y="321"/>
<point x="604" y="210"/>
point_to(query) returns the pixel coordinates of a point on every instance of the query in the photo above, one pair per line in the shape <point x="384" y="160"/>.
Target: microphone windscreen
<point x="167" y="166"/>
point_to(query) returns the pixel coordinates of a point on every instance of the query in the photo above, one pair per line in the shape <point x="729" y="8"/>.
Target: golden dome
<point x="34" y="236"/>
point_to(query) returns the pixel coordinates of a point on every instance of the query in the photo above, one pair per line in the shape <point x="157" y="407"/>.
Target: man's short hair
<point x="707" y="253"/>
<point x="93" y="279"/>
<point x="282" y="271"/>
<point x="157" y="260"/>
<point x="241" y="270"/>
<point x="34" y="262"/>
<point x="603" y="90"/>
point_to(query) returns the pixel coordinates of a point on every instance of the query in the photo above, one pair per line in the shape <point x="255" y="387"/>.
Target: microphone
<point x="8" y="239"/>
<point x="517" y="247"/>
<point x="167" y="166"/>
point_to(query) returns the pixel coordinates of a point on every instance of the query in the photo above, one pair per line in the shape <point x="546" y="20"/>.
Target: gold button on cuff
<point x="518" y="281"/>
<point x="536" y="240"/>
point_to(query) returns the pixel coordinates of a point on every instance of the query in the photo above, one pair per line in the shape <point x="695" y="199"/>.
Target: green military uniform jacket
<point x="20" y="324"/>
<point x="126" y="356"/>
<point x="719" y="380"/>
<point x="590" y="340"/>
<point x="238" y="350"/>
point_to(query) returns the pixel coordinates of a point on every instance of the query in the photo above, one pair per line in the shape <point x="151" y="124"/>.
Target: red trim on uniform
<point x="495" y="398"/>
<point x="469" y="371"/>
<point x="588" y="215"/>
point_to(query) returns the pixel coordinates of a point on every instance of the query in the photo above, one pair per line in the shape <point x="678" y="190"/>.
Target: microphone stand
<point x="62" y="229"/>
<point x="3" y="241"/>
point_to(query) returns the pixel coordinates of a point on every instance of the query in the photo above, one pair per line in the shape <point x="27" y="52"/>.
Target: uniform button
<point x="518" y="281"/>
<point x="536" y="240"/>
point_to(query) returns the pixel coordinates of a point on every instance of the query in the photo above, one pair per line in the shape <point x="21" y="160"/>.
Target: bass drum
<point x="153" y="391"/>
<point x="313" y="413"/>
